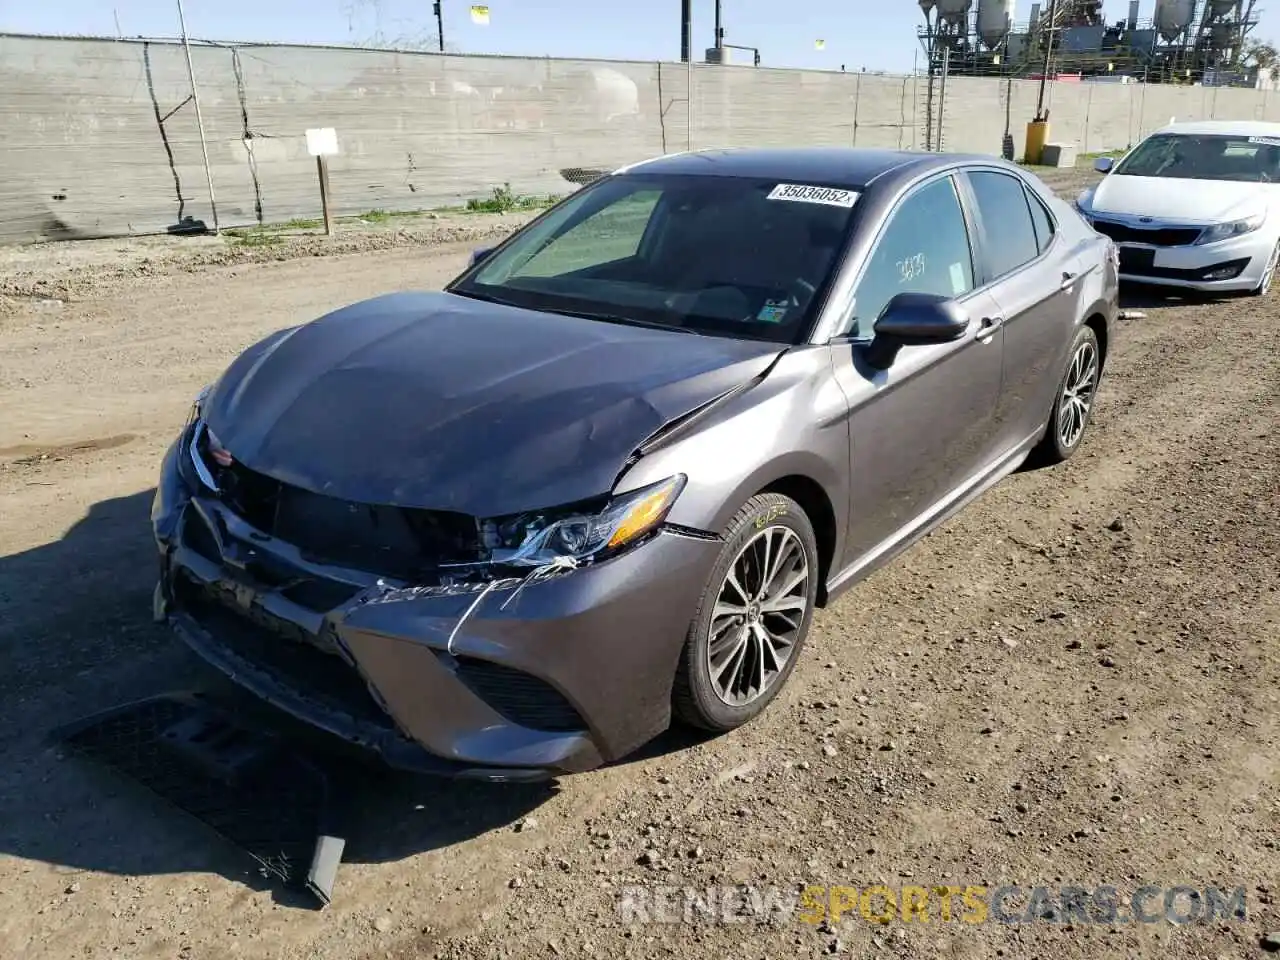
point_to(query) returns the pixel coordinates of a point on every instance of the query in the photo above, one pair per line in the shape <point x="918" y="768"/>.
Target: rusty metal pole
<point x="1048" y="59"/>
<point x="942" y="97"/>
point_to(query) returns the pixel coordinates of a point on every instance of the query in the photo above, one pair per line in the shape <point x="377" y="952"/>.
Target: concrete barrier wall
<point x="100" y="136"/>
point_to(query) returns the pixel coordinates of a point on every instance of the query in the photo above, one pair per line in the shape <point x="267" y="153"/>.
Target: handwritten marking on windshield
<point x="910" y="268"/>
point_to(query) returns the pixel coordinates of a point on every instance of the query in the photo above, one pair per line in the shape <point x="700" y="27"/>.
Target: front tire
<point x="1269" y="275"/>
<point x="753" y="617"/>
<point x="1073" y="405"/>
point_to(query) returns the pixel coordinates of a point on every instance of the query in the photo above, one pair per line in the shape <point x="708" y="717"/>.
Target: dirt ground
<point x="1076" y="681"/>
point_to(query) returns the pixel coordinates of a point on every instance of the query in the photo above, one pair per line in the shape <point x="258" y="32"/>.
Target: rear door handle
<point x="1068" y="281"/>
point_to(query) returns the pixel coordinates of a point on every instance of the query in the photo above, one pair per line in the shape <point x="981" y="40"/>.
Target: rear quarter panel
<point x="1098" y="293"/>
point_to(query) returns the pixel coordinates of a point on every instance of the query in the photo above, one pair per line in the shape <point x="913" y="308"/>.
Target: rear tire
<point x="752" y="619"/>
<point x="1073" y="403"/>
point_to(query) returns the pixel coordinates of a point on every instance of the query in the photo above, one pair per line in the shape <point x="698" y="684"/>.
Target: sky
<point x="785" y="32"/>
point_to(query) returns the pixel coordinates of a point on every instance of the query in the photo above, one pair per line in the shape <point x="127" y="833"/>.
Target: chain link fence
<point x="101" y="136"/>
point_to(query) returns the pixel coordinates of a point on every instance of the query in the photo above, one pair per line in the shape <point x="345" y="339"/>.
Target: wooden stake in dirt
<point x="322" y="166"/>
<point x="322" y="143"/>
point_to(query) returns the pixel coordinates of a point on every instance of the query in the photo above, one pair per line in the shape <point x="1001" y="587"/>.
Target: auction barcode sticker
<point x="831" y="196"/>
<point x="1268" y="141"/>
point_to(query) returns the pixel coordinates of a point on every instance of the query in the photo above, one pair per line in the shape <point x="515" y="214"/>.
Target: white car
<point x="1195" y="205"/>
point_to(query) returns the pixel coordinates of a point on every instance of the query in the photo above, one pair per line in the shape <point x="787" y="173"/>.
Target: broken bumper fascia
<point x="606" y="638"/>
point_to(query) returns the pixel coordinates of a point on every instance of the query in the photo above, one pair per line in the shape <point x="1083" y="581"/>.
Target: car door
<point x="921" y="429"/>
<point x="1035" y="280"/>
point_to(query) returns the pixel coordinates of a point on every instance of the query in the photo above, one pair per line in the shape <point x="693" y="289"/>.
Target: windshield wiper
<point x="487" y="298"/>
<point x="618" y="318"/>
<point x="583" y="314"/>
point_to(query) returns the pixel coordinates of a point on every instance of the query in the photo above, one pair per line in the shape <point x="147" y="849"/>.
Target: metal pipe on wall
<point x="195" y="98"/>
<point x="915" y="100"/>
<point x="689" y="104"/>
<point x="857" y="102"/>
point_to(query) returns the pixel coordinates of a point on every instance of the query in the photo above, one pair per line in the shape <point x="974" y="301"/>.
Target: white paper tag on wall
<point x="322" y="141"/>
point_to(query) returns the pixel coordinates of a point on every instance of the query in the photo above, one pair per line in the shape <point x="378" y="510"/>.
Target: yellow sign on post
<point x="480" y="15"/>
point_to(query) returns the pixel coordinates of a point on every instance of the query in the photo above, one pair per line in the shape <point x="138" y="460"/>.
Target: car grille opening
<point x="389" y="541"/>
<point x="197" y="536"/>
<point x="518" y="696"/>
<point x="316" y="594"/>
<point x="1157" y="237"/>
<point x="320" y="596"/>
<point x="284" y="651"/>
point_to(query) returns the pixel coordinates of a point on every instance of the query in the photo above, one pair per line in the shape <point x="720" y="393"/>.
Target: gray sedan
<point x="606" y="477"/>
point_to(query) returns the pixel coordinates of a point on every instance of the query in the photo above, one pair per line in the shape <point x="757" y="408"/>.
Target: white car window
<point x="1204" y="157"/>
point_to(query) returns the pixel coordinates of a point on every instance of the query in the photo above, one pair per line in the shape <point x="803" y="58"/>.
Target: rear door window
<point x="1008" y="232"/>
<point x="1042" y="219"/>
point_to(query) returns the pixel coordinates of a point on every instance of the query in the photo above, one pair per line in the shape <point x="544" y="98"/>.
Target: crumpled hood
<point x="437" y="401"/>
<point x="1185" y="201"/>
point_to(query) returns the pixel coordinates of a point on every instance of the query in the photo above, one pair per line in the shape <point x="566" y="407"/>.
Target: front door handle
<point x="989" y="325"/>
<point x="1068" y="281"/>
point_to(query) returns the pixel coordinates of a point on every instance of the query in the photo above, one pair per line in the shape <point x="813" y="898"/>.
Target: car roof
<point x="852" y="168"/>
<point x="1222" y="128"/>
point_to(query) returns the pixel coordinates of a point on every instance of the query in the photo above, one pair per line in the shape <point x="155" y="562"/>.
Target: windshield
<point x="725" y="256"/>
<point x="1250" y="159"/>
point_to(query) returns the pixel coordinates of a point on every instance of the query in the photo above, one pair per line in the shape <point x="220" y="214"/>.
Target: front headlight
<point x="1083" y="208"/>
<point x="1236" y="228"/>
<point x="197" y="405"/>
<point x="189" y="466"/>
<point x="536" y="539"/>
<point x="198" y="440"/>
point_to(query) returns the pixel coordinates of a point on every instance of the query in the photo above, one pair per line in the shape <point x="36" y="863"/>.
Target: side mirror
<point x="1104" y="164"/>
<point x="915" y="319"/>
<point x="479" y="254"/>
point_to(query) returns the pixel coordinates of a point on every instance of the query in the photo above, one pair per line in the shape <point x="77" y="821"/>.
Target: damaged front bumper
<point x="500" y="681"/>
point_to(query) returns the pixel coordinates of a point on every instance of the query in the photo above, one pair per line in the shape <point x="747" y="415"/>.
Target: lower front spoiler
<point x="1238" y="274"/>
<point x="395" y="750"/>
<point x="1199" y="286"/>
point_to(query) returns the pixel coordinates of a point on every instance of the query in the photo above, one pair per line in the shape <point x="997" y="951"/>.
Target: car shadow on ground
<point x="76" y="638"/>
<point x="1135" y="296"/>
